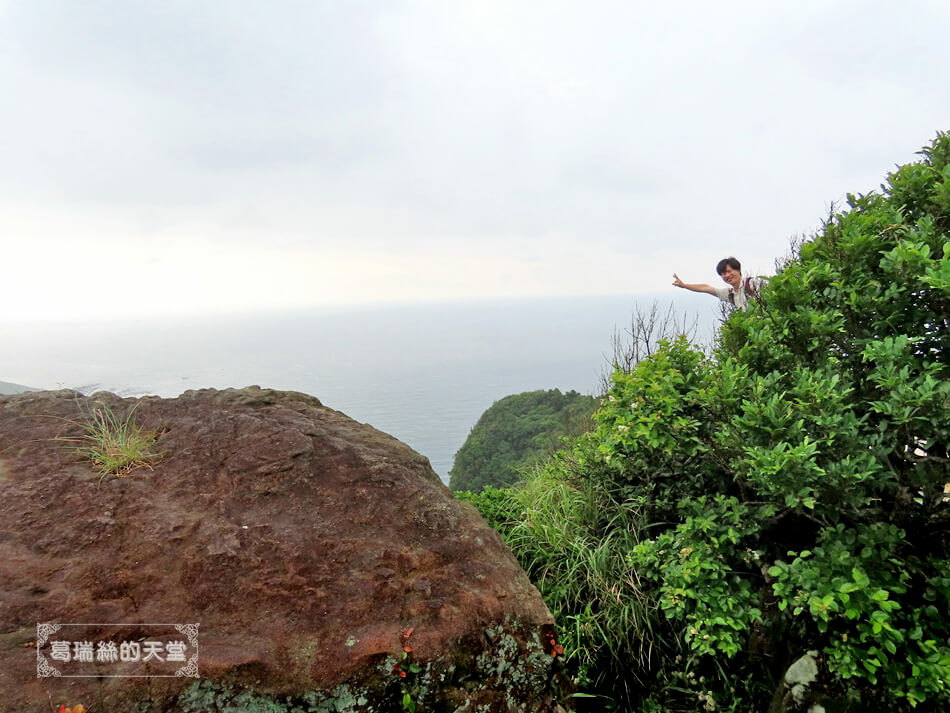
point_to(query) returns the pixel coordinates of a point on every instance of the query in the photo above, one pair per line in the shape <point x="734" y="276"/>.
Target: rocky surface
<point x="801" y="689"/>
<point x="311" y="549"/>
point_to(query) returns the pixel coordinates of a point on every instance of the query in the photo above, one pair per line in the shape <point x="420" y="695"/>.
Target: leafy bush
<point x="495" y="505"/>
<point x="785" y="494"/>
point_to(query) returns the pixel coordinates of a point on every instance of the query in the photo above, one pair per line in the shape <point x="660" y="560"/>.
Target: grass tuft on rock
<point x="114" y="444"/>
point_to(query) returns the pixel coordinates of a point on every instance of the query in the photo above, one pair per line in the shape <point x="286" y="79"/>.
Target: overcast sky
<point x="200" y="157"/>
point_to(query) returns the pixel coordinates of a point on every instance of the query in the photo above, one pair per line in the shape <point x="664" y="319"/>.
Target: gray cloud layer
<point x="533" y="130"/>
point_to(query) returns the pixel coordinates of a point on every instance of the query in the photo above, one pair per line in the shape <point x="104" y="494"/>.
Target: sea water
<point x="422" y="372"/>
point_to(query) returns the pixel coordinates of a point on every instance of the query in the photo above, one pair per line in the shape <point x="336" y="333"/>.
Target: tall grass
<point x="573" y="538"/>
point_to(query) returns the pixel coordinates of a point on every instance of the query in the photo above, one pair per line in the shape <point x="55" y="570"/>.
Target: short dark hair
<point x="728" y="262"/>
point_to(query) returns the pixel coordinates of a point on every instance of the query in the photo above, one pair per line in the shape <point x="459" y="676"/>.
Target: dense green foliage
<point x="514" y="433"/>
<point x="786" y="494"/>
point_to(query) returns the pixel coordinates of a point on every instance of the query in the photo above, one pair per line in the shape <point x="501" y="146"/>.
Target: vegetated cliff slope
<point x="327" y="565"/>
<point x="514" y="433"/>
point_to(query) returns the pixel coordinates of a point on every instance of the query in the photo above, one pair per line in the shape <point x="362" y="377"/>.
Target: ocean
<point x="423" y="372"/>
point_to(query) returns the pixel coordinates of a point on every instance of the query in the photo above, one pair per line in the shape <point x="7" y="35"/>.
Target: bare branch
<point x="648" y="327"/>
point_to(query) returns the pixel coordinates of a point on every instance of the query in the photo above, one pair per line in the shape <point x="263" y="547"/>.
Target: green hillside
<point x="514" y="433"/>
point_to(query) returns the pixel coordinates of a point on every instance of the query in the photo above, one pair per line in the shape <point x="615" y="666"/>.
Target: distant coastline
<point x="6" y="388"/>
<point x="423" y="373"/>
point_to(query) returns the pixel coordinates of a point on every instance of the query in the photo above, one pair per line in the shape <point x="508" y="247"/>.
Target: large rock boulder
<point x="328" y="567"/>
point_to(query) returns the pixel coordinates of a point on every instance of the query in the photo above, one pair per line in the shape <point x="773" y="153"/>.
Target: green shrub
<point x="783" y="495"/>
<point x="496" y="505"/>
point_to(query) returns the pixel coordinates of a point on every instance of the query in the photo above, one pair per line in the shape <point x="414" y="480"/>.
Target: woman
<point x="739" y="291"/>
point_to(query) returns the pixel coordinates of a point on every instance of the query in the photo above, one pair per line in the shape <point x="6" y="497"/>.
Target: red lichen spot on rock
<point x="552" y="646"/>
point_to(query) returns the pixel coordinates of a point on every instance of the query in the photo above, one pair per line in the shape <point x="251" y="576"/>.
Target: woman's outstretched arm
<point x="695" y="287"/>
